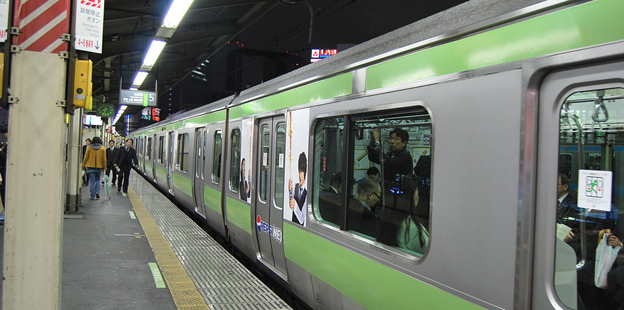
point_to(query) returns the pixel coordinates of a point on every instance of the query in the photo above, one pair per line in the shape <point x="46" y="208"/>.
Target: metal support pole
<point x="74" y="154"/>
<point x="35" y="166"/>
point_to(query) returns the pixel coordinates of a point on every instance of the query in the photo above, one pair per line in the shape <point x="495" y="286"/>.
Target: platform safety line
<point x="184" y="292"/>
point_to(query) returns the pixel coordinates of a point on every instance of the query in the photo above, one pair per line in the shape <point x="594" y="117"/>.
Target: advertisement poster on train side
<point x="297" y="166"/>
<point x="246" y="159"/>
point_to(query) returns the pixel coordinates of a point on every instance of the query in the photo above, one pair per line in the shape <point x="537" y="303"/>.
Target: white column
<point x="35" y="166"/>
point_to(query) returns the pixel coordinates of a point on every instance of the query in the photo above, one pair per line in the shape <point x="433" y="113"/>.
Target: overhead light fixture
<point x="139" y="78"/>
<point x="176" y="12"/>
<point x="152" y="54"/>
<point x="120" y="112"/>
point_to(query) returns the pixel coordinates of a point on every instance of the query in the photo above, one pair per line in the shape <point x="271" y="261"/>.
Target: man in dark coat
<point x="397" y="162"/>
<point x="124" y="159"/>
<point x="111" y="154"/>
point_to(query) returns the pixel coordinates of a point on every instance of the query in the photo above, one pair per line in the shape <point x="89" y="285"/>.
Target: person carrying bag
<point x="94" y="163"/>
<point x="606" y="253"/>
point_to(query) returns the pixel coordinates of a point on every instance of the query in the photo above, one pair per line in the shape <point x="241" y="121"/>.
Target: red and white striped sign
<point x="42" y="24"/>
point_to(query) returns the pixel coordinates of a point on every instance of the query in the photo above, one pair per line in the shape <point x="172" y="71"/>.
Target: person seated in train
<point x="568" y="213"/>
<point x="397" y="162"/>
<point x="330" y="200"/>
<point x="361" y="217"/>
<point x="373" y="173"/>
<point x="399" y="225"/>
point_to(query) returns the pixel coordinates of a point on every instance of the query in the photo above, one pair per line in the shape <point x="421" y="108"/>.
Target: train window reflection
<point x="235" y="151"/>
<point x="161" y="149"/>
<point x="591" y="148"/>
<point x="382" y="192"/>
<point x="148" y="153"/>
<point x="216" y="159"/>
<point x="183" y="152"/>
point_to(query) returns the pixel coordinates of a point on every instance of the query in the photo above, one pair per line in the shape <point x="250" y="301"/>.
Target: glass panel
<point x="590" y="190"/>
<point x="391" y="160"/>
<point x="265" y="136"/>
<point x="183" y="151"/>
<point x="280" y="153"/>
<point x="203" y="158"/>
<point x="200" y="153"/>
<point x="328" y="165"/>
<point x="216" y="164"/>
<point x="236" y="178"/>
<point x="161" y="149"/>
<point x="149" y="149"/>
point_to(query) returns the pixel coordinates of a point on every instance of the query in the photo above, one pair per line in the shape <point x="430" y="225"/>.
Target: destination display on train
<point x="138" y="97"/>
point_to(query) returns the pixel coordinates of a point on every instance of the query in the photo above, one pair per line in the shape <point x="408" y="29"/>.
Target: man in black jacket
<point x="111" y="154"/>
<point x="397" y="162"/>
<point x="124" y="159"/>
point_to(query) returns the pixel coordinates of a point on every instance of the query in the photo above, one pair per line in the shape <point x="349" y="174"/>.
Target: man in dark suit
<point x="299" y="195"/>
<point x="111" y="153"/>
<point x="124" y="159"/>
<point x="243" y="186"/>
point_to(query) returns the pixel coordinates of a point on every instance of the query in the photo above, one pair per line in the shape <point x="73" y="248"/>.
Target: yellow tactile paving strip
<point x="185" y="294"/>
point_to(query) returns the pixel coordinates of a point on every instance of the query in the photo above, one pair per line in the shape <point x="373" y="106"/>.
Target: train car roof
<point x="444" y="25"/>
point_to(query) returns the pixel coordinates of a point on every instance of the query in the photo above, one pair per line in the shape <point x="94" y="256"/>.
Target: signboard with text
<point x="4" y="19"/>
<point x="89" y="25"/>
<point x="138" y="97"/>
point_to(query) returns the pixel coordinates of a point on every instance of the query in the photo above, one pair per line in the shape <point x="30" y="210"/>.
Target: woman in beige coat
<point x="94" y="163"/>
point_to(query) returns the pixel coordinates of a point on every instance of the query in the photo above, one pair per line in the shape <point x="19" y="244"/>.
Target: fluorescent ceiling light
<point x="176" y="13"/>
<point x="139" y="78"/>
<point x="154" y="51"/>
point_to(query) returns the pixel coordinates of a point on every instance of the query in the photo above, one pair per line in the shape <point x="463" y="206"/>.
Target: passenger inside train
<point x="395" y="211"/>
<point x="589" y="188"/>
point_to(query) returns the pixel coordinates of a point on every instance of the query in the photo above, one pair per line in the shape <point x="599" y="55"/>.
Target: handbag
<point x="605" y="256"/>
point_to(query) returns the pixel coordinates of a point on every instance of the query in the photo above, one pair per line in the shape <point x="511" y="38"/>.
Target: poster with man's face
<point x="297" y="166"/>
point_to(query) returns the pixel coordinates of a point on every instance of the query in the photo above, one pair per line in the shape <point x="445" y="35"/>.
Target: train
<point x="487" y="104"/>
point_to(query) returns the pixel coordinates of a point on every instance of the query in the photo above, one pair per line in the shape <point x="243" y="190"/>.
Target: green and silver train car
<point x="492" y="101"/>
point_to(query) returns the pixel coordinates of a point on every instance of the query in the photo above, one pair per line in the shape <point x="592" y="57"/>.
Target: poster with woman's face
<point x="297" y="166"/>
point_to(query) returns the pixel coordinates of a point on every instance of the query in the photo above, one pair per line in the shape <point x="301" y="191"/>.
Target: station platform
<point x="141" y="252"/>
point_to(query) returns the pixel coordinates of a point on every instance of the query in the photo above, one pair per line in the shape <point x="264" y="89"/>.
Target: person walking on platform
<point x="85" y="177"/>
<point x="94" y="163"/>
<point x="111" y="153"/>
<point x="124" y="159"/>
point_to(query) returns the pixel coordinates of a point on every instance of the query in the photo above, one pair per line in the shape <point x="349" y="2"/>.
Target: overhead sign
<point x="138" y="97"/>
<point x="89" y="25"/>
<point x="319" y="53"/>
<point x="4" y="19"/>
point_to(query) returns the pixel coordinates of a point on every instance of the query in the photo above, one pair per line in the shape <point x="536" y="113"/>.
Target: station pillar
<point x="35" y="191"/>
<point x="74" y="158"/>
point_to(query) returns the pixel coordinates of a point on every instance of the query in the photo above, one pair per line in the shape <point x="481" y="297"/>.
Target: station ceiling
<point x="129" y="27"/>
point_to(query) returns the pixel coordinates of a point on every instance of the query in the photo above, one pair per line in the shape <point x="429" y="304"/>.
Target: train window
<point x="328" y="164"/>
<point x="265" y="133"/>
<point x="385" y="194"/>
<point x="148" y="153"/>
<point x="183" y="152"/>
<point x="589" y="192"/>
<point x="280" y="149"/>
<point x="235" y="176"/>
<point x="216" y="164"/>
<point x="161" y="149"/>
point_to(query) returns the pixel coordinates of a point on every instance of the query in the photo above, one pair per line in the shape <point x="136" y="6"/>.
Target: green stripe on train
<point x="239" y="213"/>
<point x="183" y="184"/>
<point x="576" y="27"/>
<point x="337" y="86"/>
<point x="379" y="287"/>
<point x="212" y="198"/>
<point x="205" y="119"/>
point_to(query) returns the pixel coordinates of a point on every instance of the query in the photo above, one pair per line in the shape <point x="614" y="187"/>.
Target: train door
<point x="200" y="167"/>
<point x="170" y="162"/>
<point x="579" y="192"/>
<point x="270" y="192"/>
